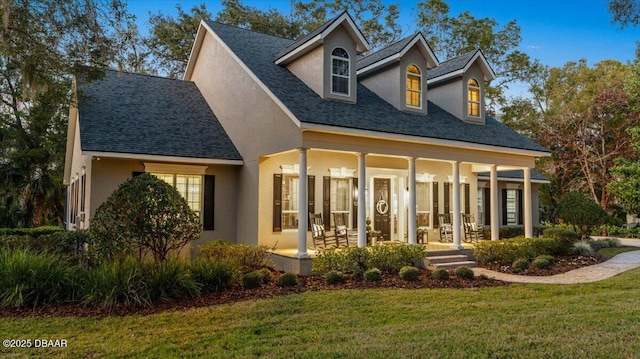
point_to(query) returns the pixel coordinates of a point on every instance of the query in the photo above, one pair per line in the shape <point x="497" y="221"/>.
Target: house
<point x="264" y="130"/>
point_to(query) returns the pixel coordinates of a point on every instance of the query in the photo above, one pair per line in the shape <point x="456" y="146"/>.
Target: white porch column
<point x="455" y="221"/>
<point x="303" y="210"/>
<point x="528" y="220"/>
<point x="495" y="220"/>
<point x="362" y="200"/>
<point x="412" y="237"/>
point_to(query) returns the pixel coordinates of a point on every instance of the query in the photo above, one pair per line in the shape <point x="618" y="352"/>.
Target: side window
<point x="423" y="202"/>
<point x="414" y="87"/>
<point x="340" y="71"/>
<point x="473" y="98"/>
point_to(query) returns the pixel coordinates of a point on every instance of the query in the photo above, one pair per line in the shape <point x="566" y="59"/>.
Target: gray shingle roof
<point x="451" y="65"/>
<point x="384" y="53"/>
<point x="140" y="114"/>
<point x="307" y="37"/>
<point x="515" y="174"/>
<point x="372" y="113"/>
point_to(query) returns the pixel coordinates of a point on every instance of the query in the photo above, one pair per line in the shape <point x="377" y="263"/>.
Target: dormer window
<point x="414" y="87"/>
<point x="340" y="72"/>
<point x="473" y="98"/>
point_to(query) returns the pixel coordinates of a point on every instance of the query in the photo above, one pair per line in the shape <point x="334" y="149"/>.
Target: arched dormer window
<point x="473" y="98"/>
<point x="414" y="87"/>
<point x="340" y="71"/>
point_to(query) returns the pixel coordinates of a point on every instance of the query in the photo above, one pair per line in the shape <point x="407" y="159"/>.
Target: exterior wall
<point x="252" y="119"/>
<point x="310" y="69"/>
<point x="413" y="56"/>
<point x="448" y="96"/>
<point x="386" y="84"/>
<point x="340" y="38"/>
<point x="476" y="73"/>
<point x="80" y="163"/>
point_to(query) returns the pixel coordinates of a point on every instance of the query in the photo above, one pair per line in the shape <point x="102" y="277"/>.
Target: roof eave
<point x="164" y="158"/>
<point x="432" y="61"/>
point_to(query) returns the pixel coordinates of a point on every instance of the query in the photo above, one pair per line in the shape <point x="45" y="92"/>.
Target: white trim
<point x="174" y="168"/>
<point x="341" y="172"/>
<point x="302" y="49"/>
<point x="421" y="140"/>
<point x="432" y="61"/>
<point x="406" y="85"/>
<point x="160" y="158"/>
<point x="348" y="77"/>
<point x="462" y="179"/>
<point x="505" y="179"/>
<point x="513" y="186"/>
<point x="195" y="51"/>
<point x="251" y="74"/>
<point x="425" y="177"/>
<point x="469" y="101"/>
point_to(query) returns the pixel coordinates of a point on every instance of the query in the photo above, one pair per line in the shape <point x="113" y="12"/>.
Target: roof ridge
<point x="249" y="30"/>
<point x="142" y="74"/>
<point x="391" y="44"/>
<point x="461" y="55"/>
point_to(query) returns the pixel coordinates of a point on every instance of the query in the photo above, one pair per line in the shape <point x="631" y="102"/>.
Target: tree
<point x="170" y="39"/>
<point x="453" y="36"/>
<point x="269" y="22"/>
<point x="41" y="45"/>
<point x="582" y="212"/>
<point x="144" y="215"/>
<point x="625" y="12"/>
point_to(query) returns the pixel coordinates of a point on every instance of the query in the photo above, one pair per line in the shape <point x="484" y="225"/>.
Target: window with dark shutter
<point x="311" y="197"/>
<point x="447" y="203"/>
<point x="208" y="206"/>
<point x="435" y="205"/>
<point x="520" y="208"/>
<point x="326" y="202"/>
<point x="354" y="200"/>
<point x="504" y="207"/>
<point x="487" y="206"/>
<point x="467" y="199"/>
<point x="277" y="202"/>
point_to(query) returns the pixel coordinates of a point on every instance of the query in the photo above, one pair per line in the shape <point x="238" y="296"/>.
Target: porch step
<point x="452" y="265"/>
<point x="447" y="259"/>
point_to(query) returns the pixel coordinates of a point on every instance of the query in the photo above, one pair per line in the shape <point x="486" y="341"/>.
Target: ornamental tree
<point x="143" y="216"/>
<point x="581" y="211"/>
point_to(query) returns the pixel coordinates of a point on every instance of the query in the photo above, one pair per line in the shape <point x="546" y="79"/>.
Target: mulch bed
<point x="561" y="264"/>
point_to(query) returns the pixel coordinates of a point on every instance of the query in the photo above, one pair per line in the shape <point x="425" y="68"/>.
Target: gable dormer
<point x="397" y="73"/>
<point x="325" y="59"/>
<point x="458" y="86"/>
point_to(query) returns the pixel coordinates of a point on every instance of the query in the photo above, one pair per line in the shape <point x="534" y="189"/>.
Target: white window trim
<point x="516" y="207"/>
<point x="469" y="101"/>
<point x="348" y="77"/>
<point x="341" y="172"/>
<point x="174" y="174"/>
<point x="419" y="76"/>
<point x="428" y="180"/>
<point x="291" y="171"/>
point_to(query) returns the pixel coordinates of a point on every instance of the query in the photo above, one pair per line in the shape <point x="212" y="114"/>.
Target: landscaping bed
<point x="561" y="264"/>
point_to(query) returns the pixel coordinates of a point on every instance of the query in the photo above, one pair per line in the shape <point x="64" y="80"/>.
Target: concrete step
<point x="447" y="259"/>
<point x="452" y="265"/>
<point x="443" y="252"/>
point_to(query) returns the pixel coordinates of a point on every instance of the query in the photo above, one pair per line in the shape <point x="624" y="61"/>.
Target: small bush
<point x="373" y="275"/>
<point x="464" y="273"/>
<point x="565" y="237"/>
<point x="170" y="280"/>
<point x="252" y="280"/>
<point x="266" y="275"/>
<point x="214" y="275"/>
<point x="520" y="264"/>
<point x="612" y="242"/>
<point x="542" y="262"/>
<point x="409" y="273"/>
<point x="31" y="278"/>
<point x="288" y="280"/>
<point x="334" y="277"/>
<point x="583" y="248"/>
<point x="120" y="282"/>
<point x="440" y="274"/>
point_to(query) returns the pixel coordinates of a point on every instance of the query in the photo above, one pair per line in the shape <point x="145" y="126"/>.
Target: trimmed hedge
<point x="358" y="260"/>
<point x="506" y="251"/>
<point x="512" y="232"/>
<point x="32" y="232"/>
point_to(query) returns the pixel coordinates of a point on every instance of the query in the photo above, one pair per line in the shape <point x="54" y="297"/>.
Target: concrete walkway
<point x="614" y="266"/>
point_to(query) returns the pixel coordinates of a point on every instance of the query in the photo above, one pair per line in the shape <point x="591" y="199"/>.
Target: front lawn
<point x="593" y="320"/>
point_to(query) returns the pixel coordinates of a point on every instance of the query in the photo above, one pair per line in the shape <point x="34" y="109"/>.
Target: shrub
<point x="32" y="278"/>
<point x="118" y="282"/>
<point x="583" y="248"/>
<point x="266" y="275"/>
<point x="464" y="273"/>
<point x="288" y="280"/>
<point x="214" y="275"/>
<point x="329" y="260"/>
<point x="373" y="275"/>
<point x="611" y="242"/>
<point x="32" y="232"/>
<point x="252" y="280"/>
<point x="506" y="251"/>
<point x="565" y="237"/>
<point x="358" y="260"/>
<point x="143" y="215"/>
<point x="440" y="274"/>
<point x="520" y="264"/>
<point x="542" y="262"/>
<point x="248" y="257"/>
<point x="334" y="277"/>
<point x="581" y="211"/>
<point x="170" y="280"/>
<point x="409" y="273"/>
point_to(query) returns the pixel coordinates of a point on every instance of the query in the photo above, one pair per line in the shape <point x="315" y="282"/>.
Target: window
<point x="340" y="71"/>
<point x="480" y="204"/>
<point x="512" y="206"/>
<point x="83" y="192"/>
<point x="414" y="87"/>
<point x="423" y="203"/>
<point x="290" y="201"/>
<point x="340" y="196"/>
<point x="473" y="98"/>
<point x="189" y="186"/>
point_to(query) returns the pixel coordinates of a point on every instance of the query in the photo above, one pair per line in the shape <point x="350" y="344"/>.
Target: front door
<point x="382" y="207"/>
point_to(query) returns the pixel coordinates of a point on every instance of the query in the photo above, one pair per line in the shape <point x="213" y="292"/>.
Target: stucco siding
<point x="310" y="69"/>
<point x="340" y="38"/>
<point x="386" y="84"/>
<point x="80" y="163"/>
<point x="449" y="96"/>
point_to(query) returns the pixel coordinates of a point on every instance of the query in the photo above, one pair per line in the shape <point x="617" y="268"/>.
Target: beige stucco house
<point x="264" y="130"/>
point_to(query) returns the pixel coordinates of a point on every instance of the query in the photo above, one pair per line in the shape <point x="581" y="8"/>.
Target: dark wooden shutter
<point x="504" y="207"/>
<point x="277" y="202"/>
<point x="436" y="210"/>
<point x="326" y="202"/>
<point x="311" y="197"/>
<point x="487" y="206"/>
<point x="447" y="205"/>
<point x="354" y="211"/>
<point x="520" y="208"/>
<point x="208" y="206"/>
<point x="136" y="174"/>
<point x="467" y="199"/>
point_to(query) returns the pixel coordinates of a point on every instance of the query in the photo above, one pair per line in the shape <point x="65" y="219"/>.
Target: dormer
<point x="398" y="72"/>
<point x="325" y="59"/>
<point x="458" y="86"/>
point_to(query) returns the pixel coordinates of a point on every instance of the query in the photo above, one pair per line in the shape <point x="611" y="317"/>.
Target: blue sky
<point x="553" y="31"/>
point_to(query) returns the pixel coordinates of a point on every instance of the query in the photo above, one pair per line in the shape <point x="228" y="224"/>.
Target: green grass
<point x="614" y="251"/>
<point x="596" y="320"/>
